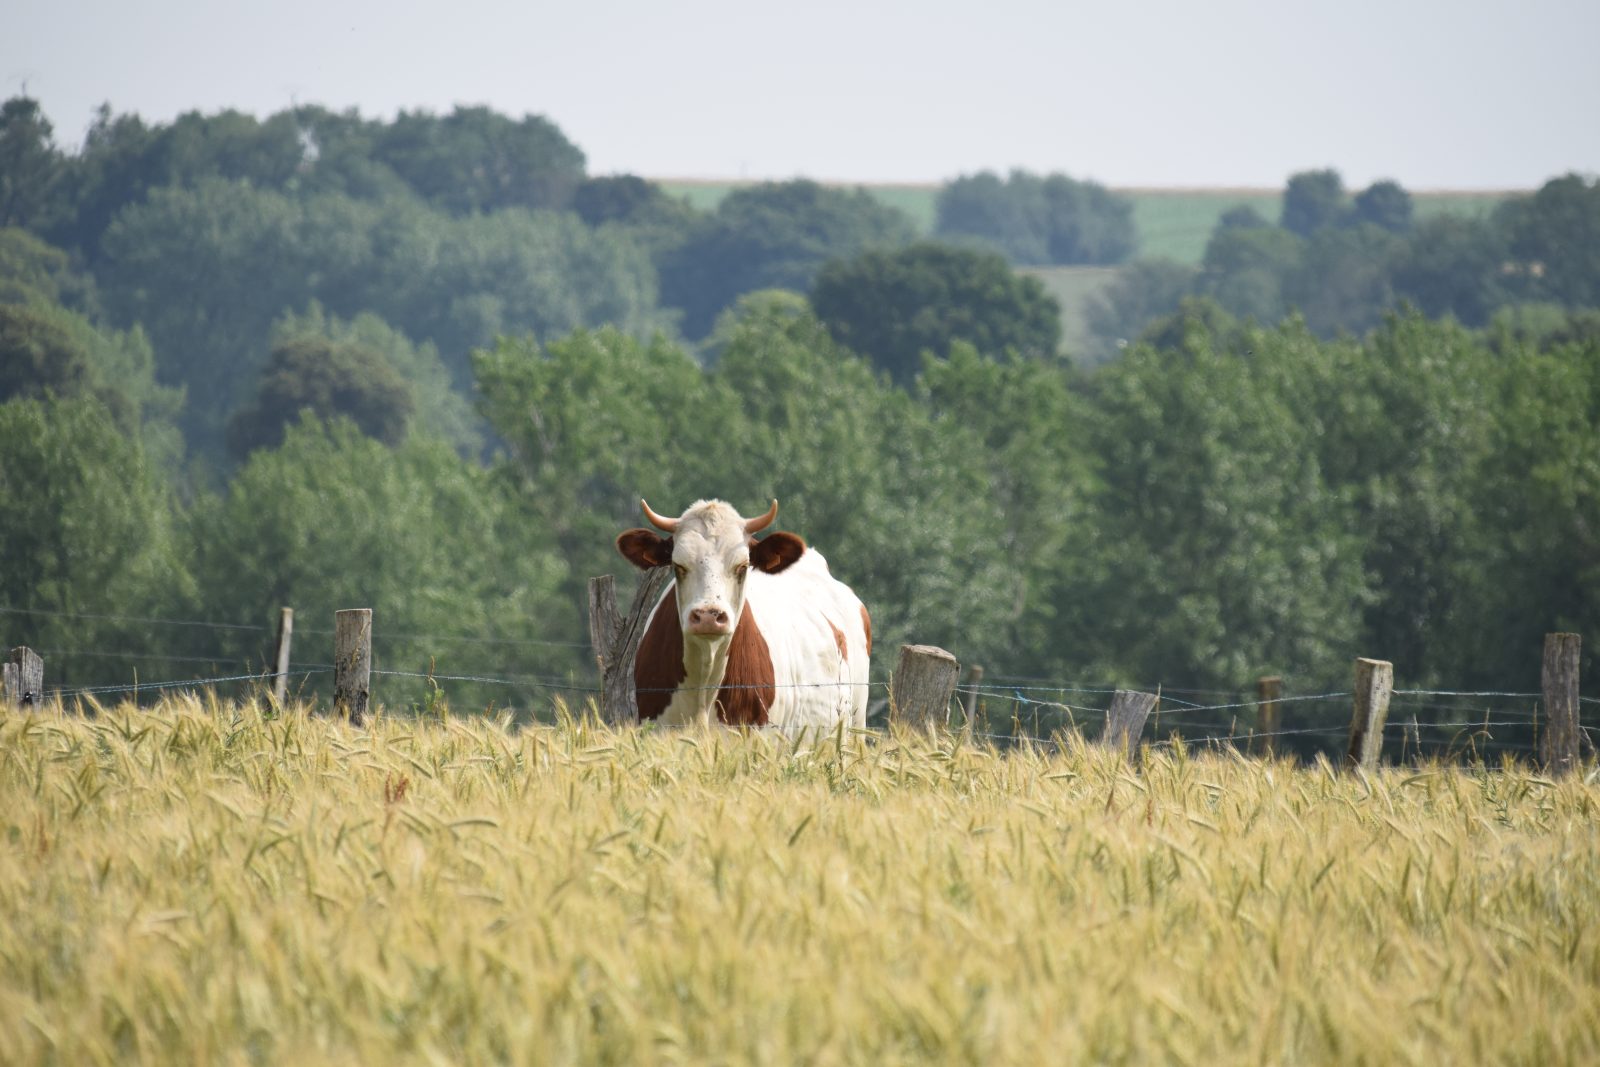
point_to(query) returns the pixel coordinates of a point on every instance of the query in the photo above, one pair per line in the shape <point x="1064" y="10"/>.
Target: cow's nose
<point x="708" y="621"/>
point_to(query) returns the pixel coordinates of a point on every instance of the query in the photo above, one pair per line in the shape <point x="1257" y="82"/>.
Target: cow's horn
<point x="757" y="525"/>
<point x="660" y="522"/>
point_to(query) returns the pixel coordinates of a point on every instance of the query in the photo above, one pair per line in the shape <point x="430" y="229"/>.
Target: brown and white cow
<point x="751" y="632"/>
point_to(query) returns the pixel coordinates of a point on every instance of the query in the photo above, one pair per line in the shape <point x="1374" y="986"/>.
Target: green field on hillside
<point x="210" y="882"/>
<point x="1174" y="223"/>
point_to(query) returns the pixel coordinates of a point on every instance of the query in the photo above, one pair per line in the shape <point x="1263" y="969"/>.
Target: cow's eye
<point x="681" y="571"/>
<point x="741" y="570"/>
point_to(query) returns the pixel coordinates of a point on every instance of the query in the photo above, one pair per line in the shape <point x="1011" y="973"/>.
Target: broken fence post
<point x="1125" y="720"/>
<point x="1373" y="687"/>
<point x="23" y="679"/>
<point x="923" y="682"/>
<point x="1558" y="742"/>
<point x="352" y="663"/>
<point x="280" y="679"/>
<point x="616" y="638"/>
<point x="1268" y="690"/>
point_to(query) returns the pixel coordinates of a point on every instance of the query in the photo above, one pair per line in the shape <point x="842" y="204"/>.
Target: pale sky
<point x="1468" y="94"/>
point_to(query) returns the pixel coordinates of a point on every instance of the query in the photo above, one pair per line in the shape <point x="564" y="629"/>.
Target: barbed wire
<point x="100" y="690"/>
<point x="131" y="618"/>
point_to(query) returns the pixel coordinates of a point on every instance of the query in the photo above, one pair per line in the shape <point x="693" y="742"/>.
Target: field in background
<point x="1075" y="288"/>
<point x="1174" y="223"/>
<point x="202" y="882"/>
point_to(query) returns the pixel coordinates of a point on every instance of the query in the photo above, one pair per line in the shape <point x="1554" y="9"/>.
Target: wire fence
<point x="1006" y="710"/>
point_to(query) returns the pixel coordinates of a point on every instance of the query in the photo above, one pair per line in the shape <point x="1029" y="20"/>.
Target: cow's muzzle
<point x="709" y="622"/>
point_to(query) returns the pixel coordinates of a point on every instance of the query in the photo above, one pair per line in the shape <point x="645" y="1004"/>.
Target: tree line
<point x="429" y="366"/>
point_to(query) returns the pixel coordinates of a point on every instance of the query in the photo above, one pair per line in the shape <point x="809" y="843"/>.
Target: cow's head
<point x="711" y="550"/>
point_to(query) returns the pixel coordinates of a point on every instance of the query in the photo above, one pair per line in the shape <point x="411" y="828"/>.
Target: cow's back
<point x="816" y="630"/>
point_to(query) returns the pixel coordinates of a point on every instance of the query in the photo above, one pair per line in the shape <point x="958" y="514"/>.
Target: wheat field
<point x="207" y="882"/>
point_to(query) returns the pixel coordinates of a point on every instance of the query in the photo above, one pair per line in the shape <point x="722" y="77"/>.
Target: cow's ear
<point x="776" y="552"/>
<point x="644" y="549"/>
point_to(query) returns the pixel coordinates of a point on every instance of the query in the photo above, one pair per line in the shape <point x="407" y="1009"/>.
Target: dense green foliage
<point x="772" y="236"/>
<point x="449" y="383"/>
<point x="1343" y="262"/>
<point x="1033" y="220"/>
<point x="894" y="306"/>
<point x="328" y="380"/>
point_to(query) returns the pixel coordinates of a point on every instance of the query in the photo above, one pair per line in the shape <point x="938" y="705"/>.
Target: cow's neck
<point x="704" y="665"/>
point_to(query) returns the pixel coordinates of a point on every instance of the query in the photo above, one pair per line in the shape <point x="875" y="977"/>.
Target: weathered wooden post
<point x="1373" y="687"/>
<point x="352" y="663"/>
<point x="22" y="677"/>
<point x="280" y="681"/>
<point x="615" y="640"/>
<point x="920" y="690"/>
<point x="1558" y="743"/>
<point x="1268" y="690"/>
<point x="974" y="680"/>
<point x="1125" y="720"/>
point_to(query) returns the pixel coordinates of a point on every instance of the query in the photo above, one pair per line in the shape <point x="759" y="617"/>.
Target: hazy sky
<point x="1460" y="94"/>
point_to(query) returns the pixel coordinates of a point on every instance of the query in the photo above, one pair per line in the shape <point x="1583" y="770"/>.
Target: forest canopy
<point x="430" y="364"/>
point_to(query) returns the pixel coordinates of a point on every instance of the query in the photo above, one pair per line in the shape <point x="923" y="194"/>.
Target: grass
<point x="205" y="882"/>
<point x="1075" y="288"/>
<point x="1174" y="223"/>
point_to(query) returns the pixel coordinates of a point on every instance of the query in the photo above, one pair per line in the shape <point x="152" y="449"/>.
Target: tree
<point x="31" y="167"/>
<point x="1312" y="200"/>
<point x="1341" y="279"/>
<point x="1384" y="204"/>
<point x="38" y="357"/>
<point x="1554" y="242"/>
<point x="775" y="235"/>
<point x="332" y="519"/>
<point x="1028" y="422"/>
<point x="1221" y="550"/>
<point x="33" y="271"/>
<point x="437" y="409"/>
<point x="1530" y="518"/>
<point x="1033" y="220"/>
<point x="327" y="379"/>
<point x="1244" y="270"/>
<point x="89" y="539"/>
<point x="894" y="306"/>
<point x="1451" y="265"/>
<point x="475" y="160"/>
<point x="209" y="270"/>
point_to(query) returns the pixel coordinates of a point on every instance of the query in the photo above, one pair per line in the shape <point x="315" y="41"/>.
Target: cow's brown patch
<point x="658" y="669"/>
<point x="838" y="640"/>
<point x="866" y="624"/>
<point x="748" y="686"/>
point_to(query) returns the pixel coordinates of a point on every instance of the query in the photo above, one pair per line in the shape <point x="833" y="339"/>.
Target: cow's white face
<point x="711" y="552"/>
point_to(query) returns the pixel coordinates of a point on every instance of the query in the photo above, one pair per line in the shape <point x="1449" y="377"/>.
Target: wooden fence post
<point x="1268" y="690"/>
<point x="23" y="679"/>
<point x="920" y="690"/>
<point x="352" y="663"/>
<point x="280" y="681"/>
<point x="1558" y="742"/>
<point x="974" y="680"/>
<point x="1374" y="684"/>
<point x="1125" y="720"/>
<point x="615" y="640"/>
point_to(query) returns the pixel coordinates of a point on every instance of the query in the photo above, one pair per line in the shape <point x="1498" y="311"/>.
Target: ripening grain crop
<point x="205" y="883"/>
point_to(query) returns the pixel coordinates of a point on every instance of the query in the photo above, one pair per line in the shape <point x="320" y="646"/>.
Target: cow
<point x="750" y="632"/>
